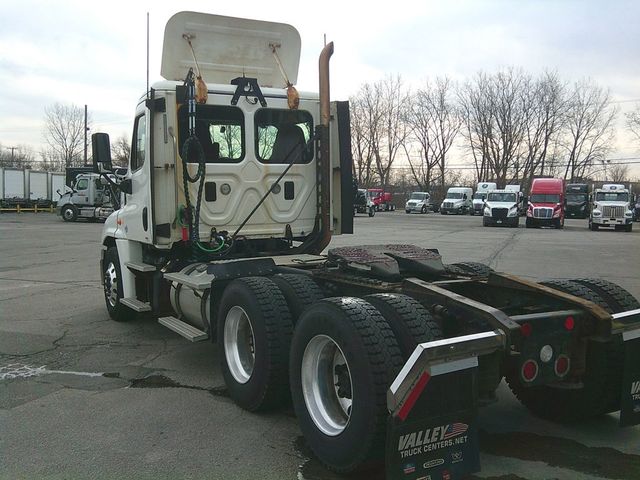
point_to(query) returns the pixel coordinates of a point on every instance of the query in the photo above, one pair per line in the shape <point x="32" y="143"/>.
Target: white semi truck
<point x="482" y="189"/>
<point x="502" y="207"/>
<point x="611" y="207"/>
<point x="233" y="193"/>
<point x="91" y="197"/>
<point x="457" y="201"/>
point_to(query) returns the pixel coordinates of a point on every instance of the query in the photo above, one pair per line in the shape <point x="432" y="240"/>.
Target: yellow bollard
<point x="18" y="208"/>
<point x="35" y="208"/>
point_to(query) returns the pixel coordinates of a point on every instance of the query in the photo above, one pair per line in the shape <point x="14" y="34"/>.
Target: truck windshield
<point x="479" y="196"/>
<point x="454" y="195"/>
<point x="612" y="196"/>
<point x="282" y="136"/>
<point x="502" y="197"/>
<point x="544" y="198"/>
<point x="418" y="196"/>
<point x="576" y="197"/>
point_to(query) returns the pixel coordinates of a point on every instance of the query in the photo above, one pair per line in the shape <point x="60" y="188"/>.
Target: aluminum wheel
<point x="111" y="284"/>
<point x="326" y="385"/>
<point x="239" y="344"/>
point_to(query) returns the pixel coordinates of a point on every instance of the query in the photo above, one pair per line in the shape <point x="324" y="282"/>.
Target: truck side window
<point x="282" y="135"/>
<point x="220" y="130"/>
<point x="139" y="144"/>
<point x="82" y="184"/>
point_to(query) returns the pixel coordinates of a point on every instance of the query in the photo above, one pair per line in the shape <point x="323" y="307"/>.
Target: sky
<point x="94" y="53"/>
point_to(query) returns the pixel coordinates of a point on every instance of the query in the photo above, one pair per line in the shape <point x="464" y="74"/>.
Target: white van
<point x="481" y="196"/>
<point x="457" y="200"/>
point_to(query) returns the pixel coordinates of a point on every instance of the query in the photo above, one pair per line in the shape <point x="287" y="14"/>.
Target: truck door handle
<point x="145" y="220"/>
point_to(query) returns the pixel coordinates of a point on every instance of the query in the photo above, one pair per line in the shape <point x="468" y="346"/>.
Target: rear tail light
<point x="526" y="329"/>
<point x="569" y="323"/>
<point x="529" y="371"/>
<point x="562" y="365"/>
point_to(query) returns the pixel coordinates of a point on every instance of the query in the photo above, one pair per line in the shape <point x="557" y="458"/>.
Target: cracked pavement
<point x="82" y="396"/>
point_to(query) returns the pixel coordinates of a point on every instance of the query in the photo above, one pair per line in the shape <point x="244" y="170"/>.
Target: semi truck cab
<point x="611" y="208"/>
<point x="91" y="197"/>
<point x="546" y="203"/>
<point x="457" y="201"/>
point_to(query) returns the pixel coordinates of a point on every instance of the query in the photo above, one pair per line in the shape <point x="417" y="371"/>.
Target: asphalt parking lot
<point x="82" y="396"/>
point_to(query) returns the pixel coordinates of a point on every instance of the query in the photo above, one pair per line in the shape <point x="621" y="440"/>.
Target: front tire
<point x="112" y="283"/>
<point x="69" y="213"/>
<point x="423" y="209"/>
<point x="343" y="358"/>
<point x="254" y="332"/>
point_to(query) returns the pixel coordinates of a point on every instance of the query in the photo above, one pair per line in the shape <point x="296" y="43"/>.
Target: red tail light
<point x="526" y="329"/>
<point x="562" y="365"/>
<point x="569" y="323"/>
<point x="529" y="371"/>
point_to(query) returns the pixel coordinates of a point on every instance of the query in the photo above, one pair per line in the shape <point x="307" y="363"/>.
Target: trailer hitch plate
<point x="388" y="261"/>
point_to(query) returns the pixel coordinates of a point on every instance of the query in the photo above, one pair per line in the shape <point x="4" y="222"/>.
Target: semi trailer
<point x="25" y="187"/>
<point x="234" y="191"/>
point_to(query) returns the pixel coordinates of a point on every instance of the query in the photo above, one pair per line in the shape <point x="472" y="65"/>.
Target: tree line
<point x="509" y="126"/>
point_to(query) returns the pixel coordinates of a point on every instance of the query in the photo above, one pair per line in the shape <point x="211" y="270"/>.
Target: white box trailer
<point x="13" y="184"/>
<point x="38" y="185"/>
<point x="57" y="185"/>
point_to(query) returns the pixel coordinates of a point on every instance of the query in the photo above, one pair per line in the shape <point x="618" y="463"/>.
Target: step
<point x="140" y="267"/>
<point x="197" y="283"/>
<point x="135" y="304"/>
<point x="187" y="331"/>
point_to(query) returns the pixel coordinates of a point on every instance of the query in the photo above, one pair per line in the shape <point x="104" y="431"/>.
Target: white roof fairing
<point x="228" y="47"/>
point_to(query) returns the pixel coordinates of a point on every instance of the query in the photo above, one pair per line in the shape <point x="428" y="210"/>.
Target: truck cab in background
<point x="91" y="197"/>
<point x="611" y="207"/>
<point x="480" y="196"/>
<point x="577" y="195"/>
<point x="381" y="199"/>
<point x="418" y="202"/>
<point x="457" y="201"/>
<point x="501" y="208"/>
<point x="546" y="203"/>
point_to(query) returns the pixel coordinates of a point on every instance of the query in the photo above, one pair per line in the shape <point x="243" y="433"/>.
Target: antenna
<point x="147" y="54"/>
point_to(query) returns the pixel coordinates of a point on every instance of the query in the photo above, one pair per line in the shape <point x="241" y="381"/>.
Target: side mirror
<point x="126" y="186"/>
<point x="101" y="152"/>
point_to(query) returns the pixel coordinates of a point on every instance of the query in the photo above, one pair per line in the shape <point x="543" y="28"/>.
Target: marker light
<point x="569" y="323"/>
<point x="529" y="371"/>
<point x="562" y="365"/>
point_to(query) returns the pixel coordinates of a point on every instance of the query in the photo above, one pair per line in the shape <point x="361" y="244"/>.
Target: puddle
<point x="561" y="452"/>
<point x="160" y="381"/>
<point x="16" y="370"/>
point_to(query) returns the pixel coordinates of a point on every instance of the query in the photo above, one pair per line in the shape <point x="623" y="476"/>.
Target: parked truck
<point x="363" y="203"/>
<point x="382" y="200"/>
<point x="501" y="208"/>
<point x="611" y="208"/>
<point x="546" y="203"/>
<point x="385" y="351"/>
<point x="91" y="197"/>
<point x="457" y="201"/>
<point x="477" y="203"/>
<point x="577" y="197"/>
<point x="418" y="202"/>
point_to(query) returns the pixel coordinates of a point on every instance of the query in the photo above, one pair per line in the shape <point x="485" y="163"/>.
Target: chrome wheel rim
<point x="239" y="344"/>
<point x="327" y="385"/>
<point x="68" y="213"/>
<point x="111" y="284"/>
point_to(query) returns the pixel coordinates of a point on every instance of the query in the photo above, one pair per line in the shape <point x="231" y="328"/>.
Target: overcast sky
<point x="94" y="52"/>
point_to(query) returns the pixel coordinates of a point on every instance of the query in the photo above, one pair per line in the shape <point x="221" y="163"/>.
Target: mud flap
<point x="630" y="397"/>
<point x="433" y="435"/>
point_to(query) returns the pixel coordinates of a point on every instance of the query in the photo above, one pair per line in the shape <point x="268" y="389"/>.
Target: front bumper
<point x="605" y="221"/>
<point x="509" y="221"/>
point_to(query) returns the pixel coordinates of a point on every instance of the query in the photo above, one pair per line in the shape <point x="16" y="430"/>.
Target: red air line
<point x="414" y="395"/>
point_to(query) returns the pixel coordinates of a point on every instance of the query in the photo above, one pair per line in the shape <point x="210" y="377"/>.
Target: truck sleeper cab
<point x="482" y="189"/>
<point x="457" y="201"/>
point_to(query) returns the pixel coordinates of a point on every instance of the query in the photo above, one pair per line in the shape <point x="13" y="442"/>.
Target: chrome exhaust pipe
<point x="325" y="96"/>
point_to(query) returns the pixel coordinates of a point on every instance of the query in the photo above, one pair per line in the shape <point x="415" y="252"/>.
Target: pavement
<point x="82" y="396"/>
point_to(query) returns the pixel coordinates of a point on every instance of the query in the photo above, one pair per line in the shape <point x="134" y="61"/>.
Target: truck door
<point x="81" y="195"/>
<point x="135" y="216"/>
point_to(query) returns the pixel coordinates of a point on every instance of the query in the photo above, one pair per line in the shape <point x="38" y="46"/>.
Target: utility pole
<point x="12" y="155"/>
<point x="85" y="135"/>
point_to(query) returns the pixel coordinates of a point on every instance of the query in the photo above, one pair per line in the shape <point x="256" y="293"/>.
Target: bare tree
<point x="19" y="156"/>
<point x="617" y="173"/>
<point x="120" y="152"/>
<point x="64" y="132"/>
<point x="633" y="122"/>
<point x="362" y="119"/>
<point x="434" y="121"/>
<point x="590" y="128"/>
<point x="496" y="111"/>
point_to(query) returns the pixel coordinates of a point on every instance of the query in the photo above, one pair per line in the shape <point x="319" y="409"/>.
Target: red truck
<point x="381" y="199"/>
<point x="546" y="203"/>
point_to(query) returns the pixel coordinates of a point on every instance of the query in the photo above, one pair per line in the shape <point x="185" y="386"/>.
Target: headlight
<point x="597" y="213"/>
<point x="487" y="211"/>
<point x="513" y="211"/>
<point x="628" y="213"/>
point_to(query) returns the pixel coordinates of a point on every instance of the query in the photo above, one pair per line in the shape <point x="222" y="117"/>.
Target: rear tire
<point x="410" y="322"/>
<point x="600" y="392"/>
<point x="344" y="356"/>
<point x="474" y="269"/>
<point x="254" y="334"/>
<point x="300" y="291"/>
